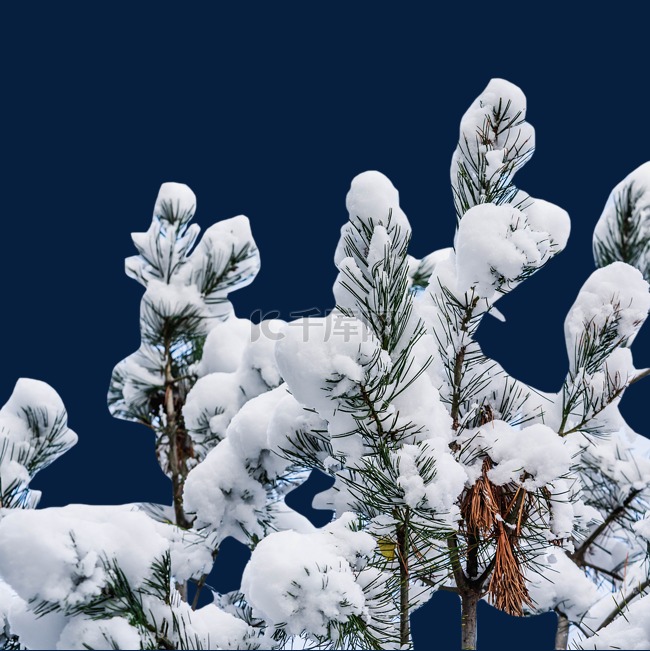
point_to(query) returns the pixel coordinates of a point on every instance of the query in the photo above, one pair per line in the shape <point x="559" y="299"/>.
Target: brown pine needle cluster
<point x="497" y="513"/>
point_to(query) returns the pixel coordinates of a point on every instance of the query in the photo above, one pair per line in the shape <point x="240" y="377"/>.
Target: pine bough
<point x="449" y="473"/>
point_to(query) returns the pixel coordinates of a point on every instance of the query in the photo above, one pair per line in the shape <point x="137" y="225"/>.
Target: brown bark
<point x="469" y="622"/>
<point x="562" y="632"/>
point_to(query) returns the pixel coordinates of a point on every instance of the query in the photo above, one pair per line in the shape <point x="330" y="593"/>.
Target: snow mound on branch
<point x="216" y="397"/>
<point x="33" y="631"/>
<point x="616" y="295"/>
<point x="33" y="433"/>
<point x="327" y="363"/>
<point x="223" y="496"/>
<point x="224" y="346"/>
<point x="535" y="451"/>
<point x="308" y="580"/>
<point x="67" y="565"/>
<point x="441" y="492"/>
<point x="289" y="418"/>
<point x="642" y="527"/>
<point x="169" y="300"/>
<point x="248" y="433"/>
<point x="623" y="230"/>
<point x="373" y="199"/>
<point x="209" y="408"/>
<point x="258" y="369"/>
<point x="622" y="459"/>
<point x="233" y="492"/>
<point x="498" y="246"/>
<point x="323" y="360"/>
<point x="219" y="629"/>
<point x="83" y="633"/>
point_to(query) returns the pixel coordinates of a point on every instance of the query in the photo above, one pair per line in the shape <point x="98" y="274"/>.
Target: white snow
<point x="33" y="631"/>
<point x="322" y="363"/>
<point x="169" y="300"/>
<point x="373" y="199"/>
<point x="57" y="554"/>
<point x="629" y="631"/>
<point x="217" y="397"/>
<point x="224" y="497"/>
<point x="557" y="582"/>
<point x="307" y="580"/>
<point x="536" y="450"/>
<point x="224" y="346"/>
<point x="218" y="629"/>
<point x="176" y="196"/>
<point x="288" y="418"/>
<point x="248" y="432"/>
<point x="496" y="246"/>
<point x="608" y="228"/>
<point x="642" y="527"/>
<point x="214" y="399"/>
<point x="617" y="295"/>
<point x="440" y="493"/>
<point x="33" y="433"/>
<point x="84" y="633"/>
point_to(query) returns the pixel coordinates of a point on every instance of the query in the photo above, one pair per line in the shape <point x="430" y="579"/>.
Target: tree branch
<point x="642" y="587"/>
<point x="640" y="376"/>
<point x="579" y="555"/>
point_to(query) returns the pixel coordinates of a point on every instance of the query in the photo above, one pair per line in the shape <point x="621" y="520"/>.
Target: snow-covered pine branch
<point x="623" y="230"/>
<point x="34" y="432"/>
<point x="523" y="503"/>
<point x="606" y="572"/>
<point x="186" y="295"/>
<point x="368" y="418"/>
<point x="105" y="577"/>
<point x="494" y="142"/>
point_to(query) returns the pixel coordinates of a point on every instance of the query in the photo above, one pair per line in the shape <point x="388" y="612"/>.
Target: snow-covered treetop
<point x="225" y="259"/>
<point x="186" y="295"/>
<point x="187" y="289"/>
<point x="623" y="230"/>
<point x="494" y="142"/>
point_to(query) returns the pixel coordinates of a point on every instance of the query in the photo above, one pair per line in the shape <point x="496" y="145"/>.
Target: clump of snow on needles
<point x="66" y="567"/>
<point x="177" y="198"/>
<point x="308" y="580"/>
<point x="616" y="294"/>
<point x="497" y="246"/>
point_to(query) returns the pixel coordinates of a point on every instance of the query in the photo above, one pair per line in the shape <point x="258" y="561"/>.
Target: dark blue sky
<point x="270" y="111"/>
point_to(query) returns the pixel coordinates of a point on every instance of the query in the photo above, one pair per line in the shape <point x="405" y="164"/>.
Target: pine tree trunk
<point x="469" y="624"/>
<point x="562" y="632"/>
<point x="402" y="551"/>
<point x="177" y="462"/>
<point x="176" y="436"/>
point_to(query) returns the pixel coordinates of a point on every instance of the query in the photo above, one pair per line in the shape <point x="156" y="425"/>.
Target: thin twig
<point x="642" y="587"/>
